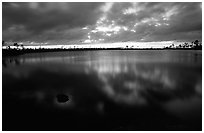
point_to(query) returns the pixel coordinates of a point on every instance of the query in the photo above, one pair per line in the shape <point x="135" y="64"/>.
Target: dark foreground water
<point x="106" y="90"/>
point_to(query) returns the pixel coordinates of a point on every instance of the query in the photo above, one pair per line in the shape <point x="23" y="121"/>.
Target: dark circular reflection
<point x="62" y="98"/>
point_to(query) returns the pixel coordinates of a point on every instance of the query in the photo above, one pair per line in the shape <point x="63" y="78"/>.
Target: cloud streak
<point x="80" y="22"/>
<point x="41" y="18"/>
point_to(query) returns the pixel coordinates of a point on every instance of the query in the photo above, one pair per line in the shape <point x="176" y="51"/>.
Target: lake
<point x="137" y="90"/>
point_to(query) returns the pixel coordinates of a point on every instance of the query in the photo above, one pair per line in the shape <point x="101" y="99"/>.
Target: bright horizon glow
<point x="161" y="44"/>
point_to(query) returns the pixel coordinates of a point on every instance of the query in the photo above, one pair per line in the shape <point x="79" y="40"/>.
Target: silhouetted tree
<point x="3" y="42"/>
<point x="197" y="45"/>
<point x="186" y="45"/>
<point x="15" y="44"/>
<point x="196" y="42"/>
<point x="191" y="45"/>
<point x="180" y="46"/>
<point x="172" y="45"/>
<point x="22" y="46"/>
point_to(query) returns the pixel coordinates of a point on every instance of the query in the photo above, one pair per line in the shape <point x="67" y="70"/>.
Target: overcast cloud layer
<point x="101" y="22"/>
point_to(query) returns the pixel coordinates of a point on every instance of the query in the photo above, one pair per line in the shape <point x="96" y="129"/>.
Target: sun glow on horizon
<point x="92" y="44"/>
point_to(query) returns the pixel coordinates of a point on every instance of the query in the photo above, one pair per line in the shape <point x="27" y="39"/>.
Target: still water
<point x="104" y="90"/>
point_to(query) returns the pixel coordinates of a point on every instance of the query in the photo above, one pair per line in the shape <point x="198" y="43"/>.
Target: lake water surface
<point x="107" y="90"/>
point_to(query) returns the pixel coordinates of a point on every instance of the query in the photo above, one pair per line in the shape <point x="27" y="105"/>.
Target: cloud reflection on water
<point x="123" y="79"/>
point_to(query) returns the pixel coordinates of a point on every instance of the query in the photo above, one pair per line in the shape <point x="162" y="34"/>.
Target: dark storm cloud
<point x="40" y="17"/>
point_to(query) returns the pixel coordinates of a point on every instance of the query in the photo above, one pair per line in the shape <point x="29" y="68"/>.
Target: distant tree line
<point x="193" y="45"/>
<point x="15" y="44"/>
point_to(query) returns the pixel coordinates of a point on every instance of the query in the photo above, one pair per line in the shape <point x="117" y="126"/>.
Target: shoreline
<point x="16" y="52"/>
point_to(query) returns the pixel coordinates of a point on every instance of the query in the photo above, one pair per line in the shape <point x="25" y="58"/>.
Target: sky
<point x="98" y="23"/>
